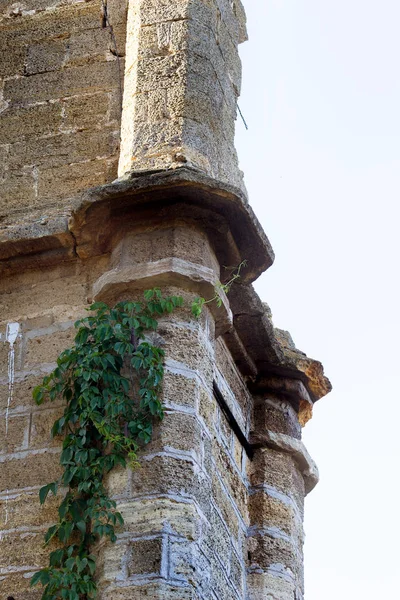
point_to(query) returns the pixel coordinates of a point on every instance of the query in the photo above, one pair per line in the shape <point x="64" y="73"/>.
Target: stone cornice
<point x="98" y="219"/>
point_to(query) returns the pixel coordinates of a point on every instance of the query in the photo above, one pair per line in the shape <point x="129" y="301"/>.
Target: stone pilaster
<point x="280" y="476"/>
<point x="185" y="523"/>
<point x="182" y="81"/>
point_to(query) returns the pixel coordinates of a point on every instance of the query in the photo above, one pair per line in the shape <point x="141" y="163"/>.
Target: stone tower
<point x="118" y="173"/>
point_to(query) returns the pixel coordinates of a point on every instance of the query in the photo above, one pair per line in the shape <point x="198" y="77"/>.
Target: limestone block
<point x="190" y="48"/>
<point x="41" y="425"/>
<point x="179" y="390"/>
<point x="226" y="432"/>
<point x="63" y="149"/>
<point x="188" y="563"/>
<point x="47" y="348"/>
<point x="111" y="561"/>
<point x="23" y="549"/>
<point x="64" y="297"/>
<point x="22" y="392"/>
<point x="279" y="471"/>
<point x="220" y="537"/>
<point x="145" y="557"/>
<point x="117" y="482"/>
<point x="45" y="56"/>
<point x="85" y="112"/>
<point x="28" y="122"/>
<point x="67" y="180"/>
<point x="267" y="586"/>
<point x="117" y="11"/>
<point x="179" y="241"/>
<point x="17" y="190"/>
<point x="12" y="55"/>
<point x="277" y="415"/>
<point x="220" y="582"/>
<point x="170" y="474"/>
<point x="28" y="470"/>
<point x="237" y="572"/>
<point x="269" y="549"/>
<point x="18" y="586"/>
<point x="150" y="591"/>
<point x="14" y="433"/>
<point x="39" y="24"/>
<point x="184" y="345"/>
<point x="89" y="46"/>
<point x="24" y="510"/>
<point x="294" y="448"/>
<point x="179" y="431"/>
<point x="162" y="515"/>
<point x="267" y="511"/>
<point x="208" y="409"/>
<point x="231" y="478"/>
<point x="225" y="506"/>
<point x="68" y="82"/>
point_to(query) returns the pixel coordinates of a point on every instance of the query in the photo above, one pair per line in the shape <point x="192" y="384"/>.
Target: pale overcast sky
<point x="321" y="94"/>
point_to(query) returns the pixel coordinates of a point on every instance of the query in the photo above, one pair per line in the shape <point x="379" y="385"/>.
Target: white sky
<point x="321" y="94"/>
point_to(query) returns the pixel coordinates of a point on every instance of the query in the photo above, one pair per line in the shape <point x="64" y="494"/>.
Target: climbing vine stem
<point x="110" y="382"/>
<point x="199" y="302"/>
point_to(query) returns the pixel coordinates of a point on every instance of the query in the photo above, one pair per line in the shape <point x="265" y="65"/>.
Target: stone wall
<point x="186" y="508"/>
<point x="215" y="512"/>
<point x="60" y="99"/>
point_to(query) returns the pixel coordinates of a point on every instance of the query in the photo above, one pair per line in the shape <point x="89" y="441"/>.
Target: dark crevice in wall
<point x="232" y="421"/>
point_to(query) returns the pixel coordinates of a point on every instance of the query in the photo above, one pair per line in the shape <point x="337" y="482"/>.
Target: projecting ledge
<point x="115" y="284"/>
<point x="296" y="449"/>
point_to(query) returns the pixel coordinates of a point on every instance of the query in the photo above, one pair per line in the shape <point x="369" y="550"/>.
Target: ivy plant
<point x="110" y="383"/>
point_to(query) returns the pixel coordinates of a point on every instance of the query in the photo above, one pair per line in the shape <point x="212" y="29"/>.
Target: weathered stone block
<point x="237" y="572"/>
<point x="169" y="475"/>
<point x="67" y="180"/>
<point x="14" y="433"/>
<point x="22" y="549"/>
<point x="262" y="586"/>
<point x="17" y="190"/>
<point x="59" y="292"/>
<point x="25" y="510"/>
<point x="179" y="390"/>
<point x="47" y="55"/>
<point x="17" y="586"/>
<point x="208" y="409"/>
<point x="85" y="112"/>
<point x="178" y="431"/>
<point x="231" y="477"/>
<point x="276" y="415"/>
<point x="155" y="516"/>
<point x="220" y="538"/>
<point x="185" y="345"/>
<point x="151" y="591"/>
<point x="29" y="470"/>
<point x="146" y="557"/>
<point x="278" y="470"/>
<point x="188" y="563"/>
<point x="47" y="348"/>
<point x="68" y="82"/>
<point x="225" y="506"/>
<point x="90" y="46"/>
<point x="41" y="425"/>
<point x="22" y="392"/>
<point x="266" y="550"/>
<point x="63" y="149"/>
